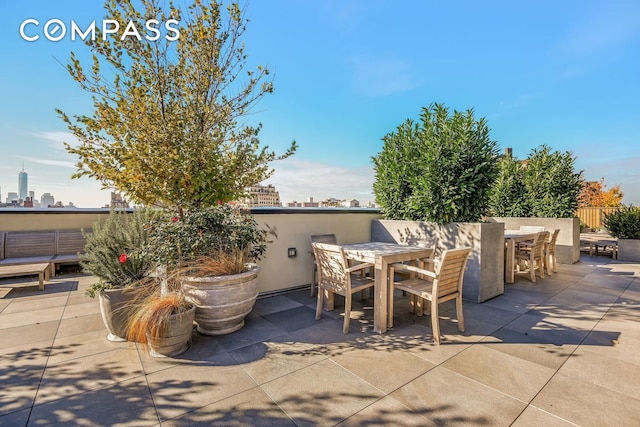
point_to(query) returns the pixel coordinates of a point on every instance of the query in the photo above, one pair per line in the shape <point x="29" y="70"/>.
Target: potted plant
<point x="624" y="224"/>
<point x="163" y="321"/>
<point x="116" y="253"/>
<point x="184" y="143"/>
<point x="215" y="250"/>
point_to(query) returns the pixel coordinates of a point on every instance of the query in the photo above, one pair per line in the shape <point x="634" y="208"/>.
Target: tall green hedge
<point x="439" y="170"/>
<point x="545" y="185"/>
<point x="553" y="185"/>
<point x="509" y="194"/>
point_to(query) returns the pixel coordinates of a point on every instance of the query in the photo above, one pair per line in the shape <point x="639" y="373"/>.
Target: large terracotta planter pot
<point x="174" y="337"/>
<point x="222" y="302"/>
<point x="116" y="309"/>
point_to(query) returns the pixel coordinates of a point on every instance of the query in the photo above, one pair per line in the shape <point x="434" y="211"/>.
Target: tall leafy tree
<point x="553" y="185"/>
<point x="439" y="170"/>
<point x="509" y="193"/>
<point x="595" y="194"/>
<point x="168" y="125"/>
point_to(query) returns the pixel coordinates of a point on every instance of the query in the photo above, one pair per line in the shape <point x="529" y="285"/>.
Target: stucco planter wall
<point x="629" y="250"/>
<point x="484" y="277"/>
<point x="568" y="243"/>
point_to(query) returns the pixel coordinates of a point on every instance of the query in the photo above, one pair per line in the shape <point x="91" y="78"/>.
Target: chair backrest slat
<point x="538" y="244"/>
<point x="332" y="265"/>
<point x="450" y="272"/>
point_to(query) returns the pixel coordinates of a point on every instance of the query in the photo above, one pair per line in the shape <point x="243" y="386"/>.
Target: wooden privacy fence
<point x="593" y="216"/>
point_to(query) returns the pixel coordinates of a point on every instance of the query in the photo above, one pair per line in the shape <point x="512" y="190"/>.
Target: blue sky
<point x="565" y="74"/>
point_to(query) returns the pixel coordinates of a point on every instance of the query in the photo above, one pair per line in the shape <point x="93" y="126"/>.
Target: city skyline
<point x="348" y="73"/>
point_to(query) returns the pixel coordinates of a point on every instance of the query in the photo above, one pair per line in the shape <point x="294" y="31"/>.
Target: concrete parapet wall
<point x="278" y="271"/>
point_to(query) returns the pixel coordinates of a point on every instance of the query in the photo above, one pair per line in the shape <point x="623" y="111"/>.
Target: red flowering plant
<point x="117" y="250"/>
<point x="223" y="234"/>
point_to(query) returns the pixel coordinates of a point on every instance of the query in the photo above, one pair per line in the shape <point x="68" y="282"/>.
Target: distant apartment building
<point x="12" y="197"/>
<point x="47" y="200"/>
<point x="117" y="201"/>
<point x="308" y="204"/>
<point x="259" y="196"/>
<point x="353" y="203"/>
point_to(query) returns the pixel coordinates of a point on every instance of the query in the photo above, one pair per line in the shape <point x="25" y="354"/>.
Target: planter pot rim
<point x="254" y="269"/>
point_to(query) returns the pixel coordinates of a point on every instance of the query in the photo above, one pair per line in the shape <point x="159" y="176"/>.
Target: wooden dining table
<point x="511" y="238"/>
<point x="381" y="254"/>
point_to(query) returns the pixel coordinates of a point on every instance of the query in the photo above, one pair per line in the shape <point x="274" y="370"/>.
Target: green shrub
<point x="223" y="230"/>
<point x="623" y="223"/>
<point x="117" y="250"/>
<point x="553" y="186"/>
<point x="439" y="170"/>
<point x="509" y="193"/>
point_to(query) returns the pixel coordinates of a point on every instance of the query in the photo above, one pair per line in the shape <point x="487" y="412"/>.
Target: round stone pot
<point x="222" y="302"/>
<point x="174" y="337"/>
<point x="116" y="309"/>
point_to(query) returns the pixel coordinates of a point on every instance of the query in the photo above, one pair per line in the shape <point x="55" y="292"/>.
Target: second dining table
<point x="511" y="238"/>
<point x="381" y="254"/>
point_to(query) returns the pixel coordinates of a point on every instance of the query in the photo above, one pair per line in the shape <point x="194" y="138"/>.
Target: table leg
<point x="380" y="296"/>
<point x="41" y="281"/>
<point x="510" y="261"/>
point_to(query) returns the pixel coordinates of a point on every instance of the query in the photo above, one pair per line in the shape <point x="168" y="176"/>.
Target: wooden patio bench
<point x="42" y="269"/>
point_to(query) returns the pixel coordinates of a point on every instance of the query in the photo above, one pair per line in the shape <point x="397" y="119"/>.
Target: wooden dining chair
<point x="550" y="252"/>
<point x="335" y="276"/>
<point x="437" y="285"/>
<point x="319" y="238"/>
<point x="533" y="257"/>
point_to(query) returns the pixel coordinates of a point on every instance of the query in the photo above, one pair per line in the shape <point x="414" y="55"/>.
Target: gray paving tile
<point x="13" y="320"/>
<point x="385" y="370"/>
<point x="529" y="347"/>
<point x="250" y="408"/>
<point x="272" y="359"/>
<point x="29" y="306"/>
<point x="508" y="374"/>
<point x="88" y="373"/>
<point x="125" y="403"/>
<point x="274" y="304"/>
<point x="184" y="388"/>
<point x="78" y="310"/>
<point x="13" y="419"/>
<point x="295" y="318"/>
<point x="255" y="330"/>
<point x="80" y="325"/>
<point x="587" y="404"/>
<point x="547" y="327"/>
<point x="32" y="333"/>
<point x="85" y="344"/>
<point x="417" y="340"/>
<point x="312" y="396"/>
<point x="603" y="370"/>
<point x="21" y="370"/>
<point x="613" y="344"/>
<point x="535" y="417"/>
<point x="387" y="412"/>
<point x="448" y="398"/>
